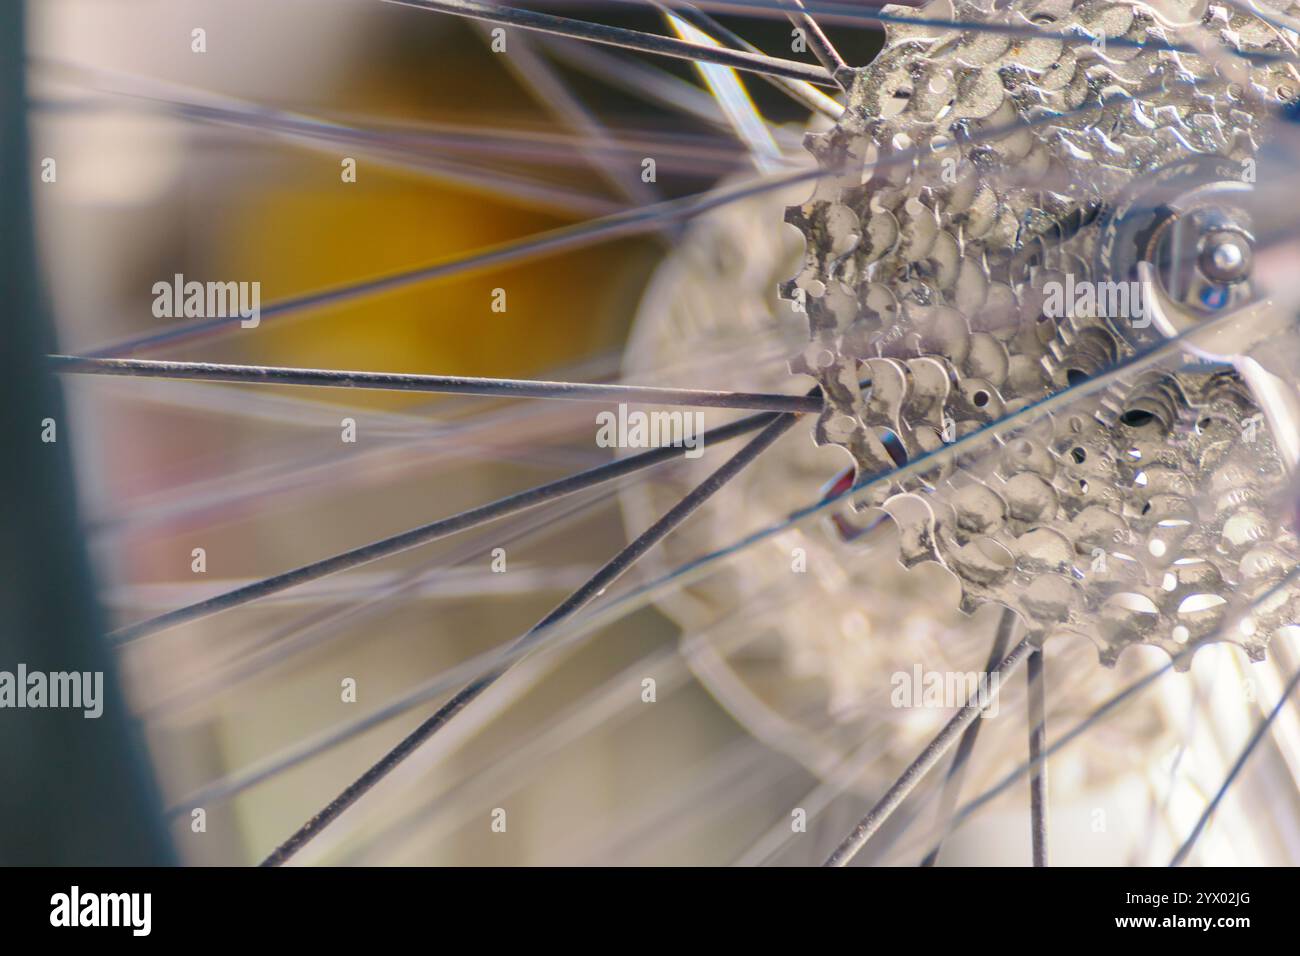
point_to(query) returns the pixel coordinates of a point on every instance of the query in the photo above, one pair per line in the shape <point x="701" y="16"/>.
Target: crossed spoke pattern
<point x="470" y="695"/>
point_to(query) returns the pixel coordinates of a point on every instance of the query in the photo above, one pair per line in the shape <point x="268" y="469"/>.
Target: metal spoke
<point x="1037" y="744"/>
<point x="535" y="73"/>
<point x="530" y="640"/>
<point x="628" y="39"/>
<point x="694" y="46"/>
<point x="410" y="438"/>
<point x="431" y="532"/>
<point x="802" y="516"/>
<point x="733" y="99"/>
<point x="601" y="708"/>
<point x="567" y="238"/>
<point x="957" y="770"/>
<point x="391" y="147"/>
<point x="1107" y="707"/>
<point x="304" y="635"/>
<point x="462" y="697"/>
<point x="558" y="642"/>
<point x="820" y="44"/>
<point x="637" y="598"/>
<point x="629" y="222"/>
<point x="924" y="763"/>
<point x="1255" y="739"/>
<point x="568" y="633"/>
<point x="803" y="93"/>
<point x="717" y="786"/>
<point x="410" y="146"/>
<point x="1103" y="710"/>
<point x="641" y="80"/>
<point x="439" y="384"/>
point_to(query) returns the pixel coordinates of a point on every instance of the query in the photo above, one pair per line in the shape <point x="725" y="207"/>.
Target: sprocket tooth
<point x="1077" y="524"/>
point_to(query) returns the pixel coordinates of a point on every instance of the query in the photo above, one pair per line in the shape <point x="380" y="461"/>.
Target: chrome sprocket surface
<point x="807" y="632"/>
<point x="972" y="169"/>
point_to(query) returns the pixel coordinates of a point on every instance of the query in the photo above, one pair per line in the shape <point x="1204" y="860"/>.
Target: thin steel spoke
<point x="1100" y="712"/>
<point x="534" y="72"/>
<point x="438" y="384"/>
<point x="962" y="446"/>
<point x="530" y="640"/>
<point x="820" y="44"/>
<point x="602" y="708"/>
<point x="639" y="79"/>
<point x="957" y="770"/>
<point x="630" y="222"/>
<point x="304" y="635"/>
<point x="391" y="147"/>
<point x="483" y="713"/>
<point x="1037" y="728"/>
<point x="803" y="93"/>
<point x="409" y="145"/>
<point x="503" y="773"/>
<point x="832" y="782"/>
<point x="567" y="238"/>
<point x="1159" y="807"/>
<point x="958" y="449"/>
<point x="431" y="532"/>
<point x="430" y="689"/>
<point x="336" y="599"/>
<point x="557" y="640"/>
<point x="694" y="570"/>
<point x="1286" y="732"/>
<point x="1037" y="744"/>
<point x="733" y="98"/>
<point x="304" y="470"/>
<point x="923" y="764"/>
<point x="633" y="76"/>
<point x="1107" y="707"/>
<point x="412" y="145"/>
<point x="508" y="432"/>
<point x="1255" y="739"/>
<point x="716" y="787"/>
<point x="628" y="39"/>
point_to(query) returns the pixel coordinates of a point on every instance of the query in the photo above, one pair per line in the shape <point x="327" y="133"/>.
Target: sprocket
<point x="972" y="170"/>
